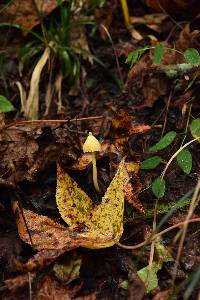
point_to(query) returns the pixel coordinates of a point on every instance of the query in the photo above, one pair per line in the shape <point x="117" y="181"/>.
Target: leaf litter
<point x="146" y="92"/>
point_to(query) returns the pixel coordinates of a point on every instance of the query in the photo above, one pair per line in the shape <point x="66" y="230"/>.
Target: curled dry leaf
<point x="123" y="126"/>
<point x="133" y="187"/>
<point x="32" y="103"/>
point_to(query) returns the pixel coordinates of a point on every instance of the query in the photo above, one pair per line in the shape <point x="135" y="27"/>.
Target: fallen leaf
<point x="153" y="21"/>
<point x="103" y="224"/>
<point x="104" y="16"/>
<point x="123" y="126"/>
<point x="25" y="13"/>
<point x="170" y="6"/>
<point x="32" y="102"/>
<point x="91" y="226"/>
<point x="49" y="289"/>
<point x="17" y="282"/>
<point x="150" y="85"/>
<point x="41" y="228"/>
<point x="133" y="186"/>
<point x="149" y="274"/>
<point x="39" y="261"/>
<point x="68" y="270"/>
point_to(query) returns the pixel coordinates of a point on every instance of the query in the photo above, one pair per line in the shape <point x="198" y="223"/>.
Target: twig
<point x="54" y="121"/>
<point x="157" y="235"/>
<point x="193" y="204"/>
<point x="115" y="53"/>
<point x="166" y="113"/>
<point x="175" y="154"/>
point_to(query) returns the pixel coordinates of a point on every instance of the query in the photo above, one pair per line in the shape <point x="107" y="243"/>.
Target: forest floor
<point x="129" y="109"/>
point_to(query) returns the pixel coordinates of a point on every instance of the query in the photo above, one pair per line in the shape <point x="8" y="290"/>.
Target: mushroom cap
<point x="91" y="144"/>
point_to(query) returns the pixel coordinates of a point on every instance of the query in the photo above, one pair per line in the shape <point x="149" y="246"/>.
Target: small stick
<point x="155" y="236"/>
<point x="54" y="121"/>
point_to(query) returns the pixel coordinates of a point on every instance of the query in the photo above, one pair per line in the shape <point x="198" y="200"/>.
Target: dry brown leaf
<point x="123" y="126"/>
<point x="17" y="282"/>
<point x="24" y="13"/>
<point x="51" y="289"/>
<point x="104" y="16"/>
<point x="152" y="21"/>
<point x="41" y="228"/>
<point x="82" y="162"/>
<point x="39" y="261"/>
<point x="133" y="187"/>
<point x="32" y="103"/>
<point x="151" y="85"/>
<point x="170" y="6"/>
<point x="187" y="38"/>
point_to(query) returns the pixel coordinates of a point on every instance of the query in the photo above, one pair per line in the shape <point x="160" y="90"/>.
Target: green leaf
<point x="158" y="53"/>
<point x="132" y="57"/>
<point x="150" y="163"/>
<point x="184" y="160"/>
<point x="5" y="104"/>
<point x="69" y="269"/>
<point x="158" y="187"/>
<point x="192" y="56"/>
<point x="195" y="128"/>
<point x="149" y="276"/>
<point x="164" y="142"/>
<point x="135" y="55"/>
<point x="163" y="253"/>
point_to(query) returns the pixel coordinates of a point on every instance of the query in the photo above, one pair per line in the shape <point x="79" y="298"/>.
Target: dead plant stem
<point x="193" y="204"/>
<point x="157" y="235"/>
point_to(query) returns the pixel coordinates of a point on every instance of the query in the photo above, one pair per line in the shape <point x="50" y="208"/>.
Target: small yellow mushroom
<point x="92" y="145"/>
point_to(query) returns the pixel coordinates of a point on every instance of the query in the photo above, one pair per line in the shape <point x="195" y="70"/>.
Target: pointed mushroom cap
<point x="91" y="144"/>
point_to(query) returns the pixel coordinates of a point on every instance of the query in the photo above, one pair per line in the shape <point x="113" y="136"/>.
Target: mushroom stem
<point x="94" y="173"/>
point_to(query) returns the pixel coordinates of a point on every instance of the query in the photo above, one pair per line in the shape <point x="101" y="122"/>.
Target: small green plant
<point x="57" y="33"/>
<point x="5" y="105"/>
<point x="183" y="157"/>
<point x="191" y="56"/>
<point x="59" y="46"/>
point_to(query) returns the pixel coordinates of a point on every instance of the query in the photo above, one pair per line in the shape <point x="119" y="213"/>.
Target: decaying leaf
<point x="50" y="288"/>
<point x="32" y="104"/>
<point x="123" y="126"/>
<point x="25" y="13"/>
<point x="103" y="223"/>
<point x="44" y="233"/>
<point x="69" y="269"/>
<point x="131" y="190"/>
<point x="150" y="85"/>
<point x="91" y="226"/>
<point x="17" y="282"/>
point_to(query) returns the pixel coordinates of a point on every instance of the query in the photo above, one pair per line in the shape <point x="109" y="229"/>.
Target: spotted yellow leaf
<point x="91" y="226"/>
<point x="101" y="225"/>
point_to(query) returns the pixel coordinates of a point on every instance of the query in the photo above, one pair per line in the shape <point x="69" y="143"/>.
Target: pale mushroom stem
<point x="95" y="173"/>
